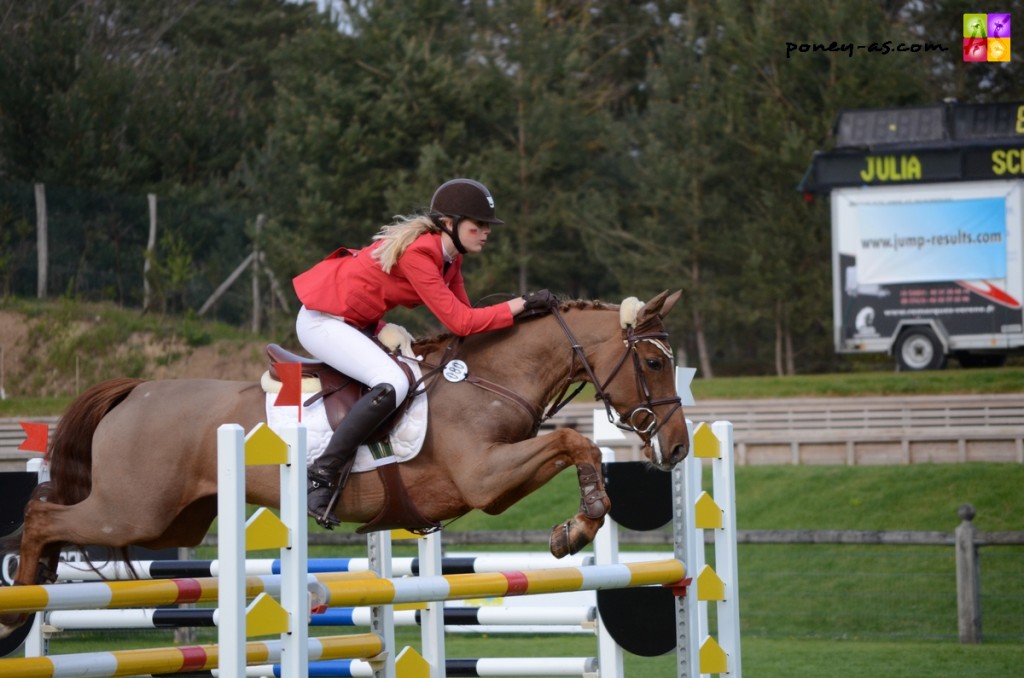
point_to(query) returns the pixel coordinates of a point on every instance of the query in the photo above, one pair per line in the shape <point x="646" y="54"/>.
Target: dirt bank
<point x="41" y="358"/>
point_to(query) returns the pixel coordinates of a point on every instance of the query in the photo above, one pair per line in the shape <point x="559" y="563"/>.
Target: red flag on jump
<point x="37" y="436"/>
<point x="291" y="386"/>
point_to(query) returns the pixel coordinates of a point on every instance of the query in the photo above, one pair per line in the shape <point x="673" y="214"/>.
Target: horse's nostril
<point x="680" y="451"/>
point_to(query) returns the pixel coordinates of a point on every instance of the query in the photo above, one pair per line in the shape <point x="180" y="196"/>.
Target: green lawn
<point x="808" y="610"/>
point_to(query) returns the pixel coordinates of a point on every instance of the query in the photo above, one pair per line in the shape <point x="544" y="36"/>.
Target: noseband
<point x="633" y="419"/>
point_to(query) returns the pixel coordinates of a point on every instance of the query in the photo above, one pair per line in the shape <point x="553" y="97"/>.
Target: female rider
<point x="413" y="261"/>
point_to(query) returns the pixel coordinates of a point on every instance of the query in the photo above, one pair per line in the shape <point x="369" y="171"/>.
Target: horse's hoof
<point x="559" y="542"/>
<point x="566" y="541"/>
<point x="15" y="627"/>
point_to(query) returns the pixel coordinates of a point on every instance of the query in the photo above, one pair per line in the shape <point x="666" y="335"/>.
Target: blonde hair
<point x="398" y="235"/>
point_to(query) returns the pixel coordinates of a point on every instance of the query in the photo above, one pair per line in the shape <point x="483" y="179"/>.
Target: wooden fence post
<point x="968" y="578"/>
<point x="42" y="241"/>
<point x="147" y="262"/>
<point x="257" y="304"/>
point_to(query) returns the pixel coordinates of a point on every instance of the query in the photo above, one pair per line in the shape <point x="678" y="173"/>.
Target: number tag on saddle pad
<point x="456" y="370"/>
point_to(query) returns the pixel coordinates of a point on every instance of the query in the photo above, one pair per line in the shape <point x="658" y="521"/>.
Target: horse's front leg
<point x="574" y="534"/>
<point x="519" y="469"/>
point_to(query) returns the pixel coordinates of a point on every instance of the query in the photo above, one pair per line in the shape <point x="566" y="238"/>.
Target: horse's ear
<point x="658" y="307"/>
<point x="651" y="310"/>
<point x="670" y="302"/>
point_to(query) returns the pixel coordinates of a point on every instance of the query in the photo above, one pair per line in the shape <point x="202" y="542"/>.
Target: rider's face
<point x="473" y="235"/>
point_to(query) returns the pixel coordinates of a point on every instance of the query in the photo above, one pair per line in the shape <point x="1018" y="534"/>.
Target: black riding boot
<point x="331" y="470"/>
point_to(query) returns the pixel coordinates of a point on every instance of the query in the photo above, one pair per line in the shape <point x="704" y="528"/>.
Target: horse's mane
<point x="439" y="341"/>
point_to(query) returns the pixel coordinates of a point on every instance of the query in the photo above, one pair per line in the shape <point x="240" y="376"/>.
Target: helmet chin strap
<point x="453" y="232"/>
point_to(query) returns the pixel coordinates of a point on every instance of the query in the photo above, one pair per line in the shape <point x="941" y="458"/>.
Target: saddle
<point x="339" y="393"/>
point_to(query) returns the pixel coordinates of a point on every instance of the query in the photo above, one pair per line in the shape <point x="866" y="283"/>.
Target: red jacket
<point x="351" y="284"/>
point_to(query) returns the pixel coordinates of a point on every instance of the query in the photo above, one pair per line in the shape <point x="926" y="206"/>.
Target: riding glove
<point x="538" y="303"/>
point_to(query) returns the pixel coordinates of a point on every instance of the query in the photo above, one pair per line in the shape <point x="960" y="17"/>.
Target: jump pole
<point x="196" y="658"/>
<point x="350" y="588"/>
<point x="400" y="566"/>
<point x="375" y="591"/>
<point x="128" y="594"/>
<point x="170" y="618"/>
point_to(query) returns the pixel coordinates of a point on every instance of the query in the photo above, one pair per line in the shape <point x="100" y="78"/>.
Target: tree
<point x="786" y="272"/>
<point x="551" y="139"/>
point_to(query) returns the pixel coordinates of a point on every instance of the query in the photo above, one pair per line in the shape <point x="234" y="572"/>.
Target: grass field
<point x="816" y="610"/>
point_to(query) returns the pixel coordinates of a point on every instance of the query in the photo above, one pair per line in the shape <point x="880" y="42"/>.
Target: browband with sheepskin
<point x="628" y="309"/>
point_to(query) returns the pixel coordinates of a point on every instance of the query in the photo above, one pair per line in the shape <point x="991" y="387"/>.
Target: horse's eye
<point x="653" y="364"/>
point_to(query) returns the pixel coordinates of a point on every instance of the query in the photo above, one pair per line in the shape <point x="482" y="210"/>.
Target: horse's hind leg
<point x="45" y="531"/>
<point x="39" y="555"/>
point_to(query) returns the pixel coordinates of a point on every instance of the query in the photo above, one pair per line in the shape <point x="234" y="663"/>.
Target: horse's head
<point x="641" y="381"/>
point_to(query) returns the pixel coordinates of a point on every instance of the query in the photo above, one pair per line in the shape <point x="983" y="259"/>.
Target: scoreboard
<point x="924" y="124"/>
<point x="866" y="128"/>
<point x="988" y="121"/>
<point x="922" y="144"/>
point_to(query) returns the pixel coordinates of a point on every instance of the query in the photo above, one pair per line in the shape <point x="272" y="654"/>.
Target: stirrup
<point x="325" y="517"/>
<point x="327" y="520"/>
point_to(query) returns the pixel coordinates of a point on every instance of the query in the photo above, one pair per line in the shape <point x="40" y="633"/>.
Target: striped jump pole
<point x="197" y="658"/>
<point x="347" y="589"/>
<point x="517" y="583"/>
<point x="400" y="566"/>
<point x="170" y="618"/>
<point x="127" y="594"/>
<point x="492" y="666"/>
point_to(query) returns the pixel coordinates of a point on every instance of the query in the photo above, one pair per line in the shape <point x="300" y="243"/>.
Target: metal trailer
<point x="927" y="212"/>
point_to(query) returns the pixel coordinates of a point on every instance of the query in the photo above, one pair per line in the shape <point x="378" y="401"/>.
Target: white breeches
<point x="332" y="340"/>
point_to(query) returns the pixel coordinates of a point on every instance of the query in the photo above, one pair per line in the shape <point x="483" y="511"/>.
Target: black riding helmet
<point x="463" y="199"/>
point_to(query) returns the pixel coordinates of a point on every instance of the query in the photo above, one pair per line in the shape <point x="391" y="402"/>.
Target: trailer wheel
<point x="919" y="349"/>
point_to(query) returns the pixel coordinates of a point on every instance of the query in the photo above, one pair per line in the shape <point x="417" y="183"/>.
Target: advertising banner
<point x="945" y="252"/>
<point x="931" y="241"/>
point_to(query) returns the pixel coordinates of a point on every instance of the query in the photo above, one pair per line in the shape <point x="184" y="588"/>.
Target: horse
<point x="134" y="462"/>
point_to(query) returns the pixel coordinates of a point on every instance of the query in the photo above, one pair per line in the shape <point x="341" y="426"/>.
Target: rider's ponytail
<point x="398" y="235"/>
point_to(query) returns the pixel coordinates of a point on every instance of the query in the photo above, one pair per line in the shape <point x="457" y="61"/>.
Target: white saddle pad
<point x="406" y="436"/>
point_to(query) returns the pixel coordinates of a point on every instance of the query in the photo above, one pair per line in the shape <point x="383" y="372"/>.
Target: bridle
<point x="633" y="419"/>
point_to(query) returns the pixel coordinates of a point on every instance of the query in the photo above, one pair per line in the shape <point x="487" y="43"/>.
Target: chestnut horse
<point x="134" y="462"/>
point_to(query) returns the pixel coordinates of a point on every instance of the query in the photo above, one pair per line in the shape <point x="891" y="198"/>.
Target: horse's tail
<point x="70" y="453"/>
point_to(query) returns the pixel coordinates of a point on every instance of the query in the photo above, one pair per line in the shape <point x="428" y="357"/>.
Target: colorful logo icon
<point x="986" y="37"/>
